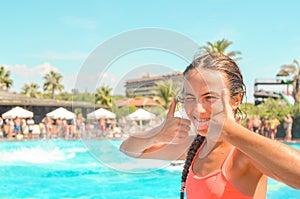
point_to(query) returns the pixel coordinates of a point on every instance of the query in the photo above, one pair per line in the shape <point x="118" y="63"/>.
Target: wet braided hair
<point x="215" y="62"/>
<point x="190" y="156"/>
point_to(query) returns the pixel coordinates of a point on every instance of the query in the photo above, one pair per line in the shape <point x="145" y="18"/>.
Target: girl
<point x="224" y="160"/>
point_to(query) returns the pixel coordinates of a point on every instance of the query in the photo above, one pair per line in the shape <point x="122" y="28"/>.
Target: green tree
<point x="103" y="96"/>
<point x="31" y="90"/>
<point x="220" y="46"/>
<point x="5" y="81"/>
<point x="164" y="93"/>
<point x="278" y="109"/>
<point x="292" y="71"/>
<point x="64" y="96"/>
<point x="268" y="108"/>
<point x="53" y="83"/>
<point x="123" y="111"/>
<point x="82" y="97"/>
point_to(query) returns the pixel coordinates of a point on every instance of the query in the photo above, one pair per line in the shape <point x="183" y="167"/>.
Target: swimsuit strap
<point x="226" y="160"/>
<point x="219" y="187"/>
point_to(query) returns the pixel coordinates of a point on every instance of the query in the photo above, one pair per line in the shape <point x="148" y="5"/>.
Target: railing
<point x="273" y="81"/>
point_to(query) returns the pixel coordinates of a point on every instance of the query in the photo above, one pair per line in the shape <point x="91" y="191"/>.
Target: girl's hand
<point x="221" y="114"/>
<point x="174" y="129"/>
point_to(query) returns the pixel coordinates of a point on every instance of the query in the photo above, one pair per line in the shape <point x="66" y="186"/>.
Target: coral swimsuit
<point x="213" y="186"/>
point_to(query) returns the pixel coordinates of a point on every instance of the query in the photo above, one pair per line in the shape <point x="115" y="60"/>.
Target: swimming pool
<point x="65" y="169"/>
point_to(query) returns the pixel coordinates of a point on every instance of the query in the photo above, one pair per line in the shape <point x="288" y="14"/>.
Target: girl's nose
<point x="199" y="108"/>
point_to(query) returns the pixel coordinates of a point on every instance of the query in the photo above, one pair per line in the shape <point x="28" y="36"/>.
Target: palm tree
<point x="293" y="72"/>
<point x="220" y="46"/>
<point x="296" y="84"/>
<point x="52" y="82"/>
<point x="5" y="81"/>
<point x="30" y="90"/>
<point x="103" y="96"/>
<point x="166" y="90"/>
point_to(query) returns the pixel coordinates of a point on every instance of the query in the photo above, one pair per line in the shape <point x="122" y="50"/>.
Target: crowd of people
<point x="16" y="128"/>
<point x="268" y="127"/>
<point x="26" y="128"/>
<point x="103" y="129"/>
<point x="48" y="128"/>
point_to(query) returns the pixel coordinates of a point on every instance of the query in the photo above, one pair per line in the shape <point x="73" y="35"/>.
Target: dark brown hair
<point x="230" y="70"/>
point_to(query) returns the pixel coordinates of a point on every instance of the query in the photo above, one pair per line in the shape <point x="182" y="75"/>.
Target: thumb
<point x="172" y="108"/>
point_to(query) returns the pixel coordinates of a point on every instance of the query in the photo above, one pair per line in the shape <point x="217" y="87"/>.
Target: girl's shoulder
<point x="241" y="163"/>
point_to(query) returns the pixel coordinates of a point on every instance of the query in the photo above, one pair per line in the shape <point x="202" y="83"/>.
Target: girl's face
<point x="202" y="92"/>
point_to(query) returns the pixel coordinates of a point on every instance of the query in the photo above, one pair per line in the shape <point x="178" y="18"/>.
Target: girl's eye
<point x="189" y="99"/>
<point x="210" y="97"/>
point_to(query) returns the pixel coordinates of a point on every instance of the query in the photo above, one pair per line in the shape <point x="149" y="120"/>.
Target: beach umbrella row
<point x="63" y="113"/>
<point x="23" y="113"/>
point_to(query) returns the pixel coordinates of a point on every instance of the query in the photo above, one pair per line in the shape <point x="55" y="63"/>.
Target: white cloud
<point x="22" y="74"/>
<point x="61" y="56"/>
<point x="23" y="71"/>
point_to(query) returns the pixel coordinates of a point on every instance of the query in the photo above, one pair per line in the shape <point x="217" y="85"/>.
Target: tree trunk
<point x="52" y="94"/>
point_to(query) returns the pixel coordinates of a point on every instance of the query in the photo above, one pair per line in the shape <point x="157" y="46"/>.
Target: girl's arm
<point x="167" y="141"/>
<point x="271" y="157"/>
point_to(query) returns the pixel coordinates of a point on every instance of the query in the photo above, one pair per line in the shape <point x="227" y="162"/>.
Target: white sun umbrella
<point x="101" y="113"/>
<point x="140" y="115"/>
<point x="61" y="113"/>
<point x="17" y="112"/>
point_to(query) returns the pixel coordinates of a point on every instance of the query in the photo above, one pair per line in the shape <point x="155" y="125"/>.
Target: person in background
<point x="1" y="127"/>
<point x="11" y="129"/>
<point x="274" y="123"/>
<point x="288" y="123"/>
<point x="224" y="159"/>
<point x="18" y="128"/>
<point x="30" y="125"/>
<point x="59" y="128"/>
<point x="265" y="127"/>
<point x="256" y="124"/>
<point x="249" y="124"/>
<point x="48" y="122"/>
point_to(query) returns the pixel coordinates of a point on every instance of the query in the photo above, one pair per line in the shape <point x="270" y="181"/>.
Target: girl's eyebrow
<point x="186" y="93"/>
<point x="210" y="93"/>
<point x="204" y="94"/>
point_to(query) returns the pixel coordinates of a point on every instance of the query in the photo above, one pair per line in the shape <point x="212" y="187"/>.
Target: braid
<point x="190" y="156"/>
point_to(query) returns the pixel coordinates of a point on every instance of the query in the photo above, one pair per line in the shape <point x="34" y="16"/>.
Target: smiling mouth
<point x="201" y="124"/>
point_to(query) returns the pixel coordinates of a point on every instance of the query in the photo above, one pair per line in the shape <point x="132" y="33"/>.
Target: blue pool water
<point x="65" y="169"/>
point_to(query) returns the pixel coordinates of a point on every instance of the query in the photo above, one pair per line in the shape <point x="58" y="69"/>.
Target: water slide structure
<point x="260" y="94"/>
<point x="289" y="99"/>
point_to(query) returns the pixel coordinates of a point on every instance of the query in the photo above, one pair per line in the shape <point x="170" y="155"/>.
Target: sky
<point x="39" y="36"/>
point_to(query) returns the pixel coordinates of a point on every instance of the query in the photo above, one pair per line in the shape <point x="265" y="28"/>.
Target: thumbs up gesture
<point x="174" y="129"/>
